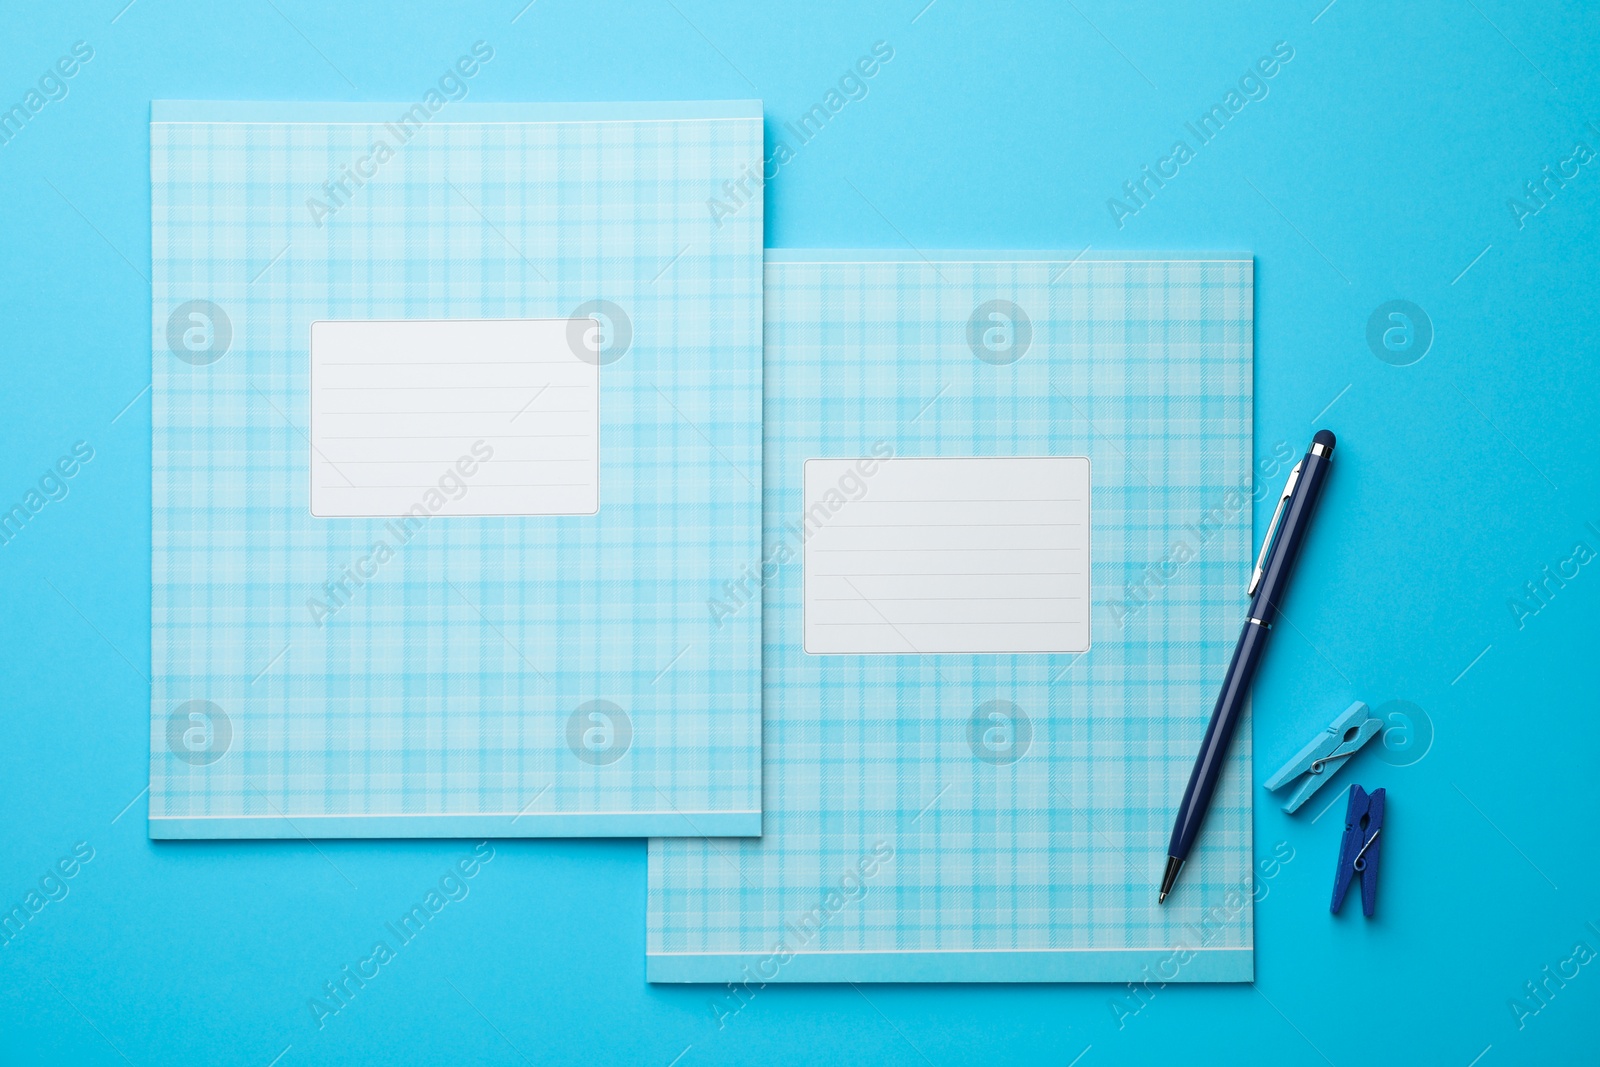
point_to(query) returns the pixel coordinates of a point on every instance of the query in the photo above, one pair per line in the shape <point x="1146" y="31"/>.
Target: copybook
<point x="1007" y="539"/>
<point x="457" y="441"/>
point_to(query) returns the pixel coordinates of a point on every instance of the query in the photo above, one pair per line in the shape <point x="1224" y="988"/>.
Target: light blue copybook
<point x="1007" y="538"/>
<point x="457" y="447"/>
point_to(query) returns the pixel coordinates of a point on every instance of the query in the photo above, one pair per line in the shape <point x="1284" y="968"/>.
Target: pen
<point x="1268" y="585"/>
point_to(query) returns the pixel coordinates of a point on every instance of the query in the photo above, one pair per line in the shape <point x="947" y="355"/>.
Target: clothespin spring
<point x="1358" y="863"/>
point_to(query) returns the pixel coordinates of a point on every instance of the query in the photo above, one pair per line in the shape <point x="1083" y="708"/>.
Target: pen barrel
<point x="1284" y="548"/>
<point x="1291" y="536"/>
<point x="1225" y="716"/>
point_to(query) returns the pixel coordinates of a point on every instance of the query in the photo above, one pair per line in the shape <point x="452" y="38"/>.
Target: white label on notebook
<point x="908" y="556"/>
<point x="458" y="417"/>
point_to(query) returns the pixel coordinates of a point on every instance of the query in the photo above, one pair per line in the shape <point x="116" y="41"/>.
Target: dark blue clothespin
<point x="1360" y="849"/>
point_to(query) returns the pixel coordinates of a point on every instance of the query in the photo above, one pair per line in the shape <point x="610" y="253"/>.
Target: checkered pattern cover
<point x="914" y="830"/>
<point x="550" y="676"/>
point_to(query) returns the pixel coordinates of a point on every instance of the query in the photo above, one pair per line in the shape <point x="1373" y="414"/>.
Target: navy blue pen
<point x="1268" y="584"/>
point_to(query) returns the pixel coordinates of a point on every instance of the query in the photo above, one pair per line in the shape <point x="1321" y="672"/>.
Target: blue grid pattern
<point x="437" y="703"/>
<point x="890" y="851"/>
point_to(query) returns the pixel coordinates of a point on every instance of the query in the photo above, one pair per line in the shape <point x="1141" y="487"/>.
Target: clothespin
<point x="1360" y="849"/>
<point x="1321" y="759"/>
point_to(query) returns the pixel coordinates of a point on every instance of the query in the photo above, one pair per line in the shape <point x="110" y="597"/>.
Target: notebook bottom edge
<point x="1175" y="964"/>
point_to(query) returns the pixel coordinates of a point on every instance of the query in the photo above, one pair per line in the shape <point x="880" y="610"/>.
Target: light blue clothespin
<point x="1320" y="760"/>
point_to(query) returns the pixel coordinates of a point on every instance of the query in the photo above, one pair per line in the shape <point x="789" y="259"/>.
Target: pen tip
<point x="1169" y="878"/>
<point x="1324" y="438"/>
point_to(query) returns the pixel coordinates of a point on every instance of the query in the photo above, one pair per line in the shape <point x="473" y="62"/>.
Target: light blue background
<point x="1378" y="167"/>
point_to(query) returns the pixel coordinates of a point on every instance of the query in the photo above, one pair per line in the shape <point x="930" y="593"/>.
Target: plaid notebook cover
<point x="502" y="676"/>
<point x="904" y="839"/>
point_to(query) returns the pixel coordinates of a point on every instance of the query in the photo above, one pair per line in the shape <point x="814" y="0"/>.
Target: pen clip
<point x="1272" y="528"/>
